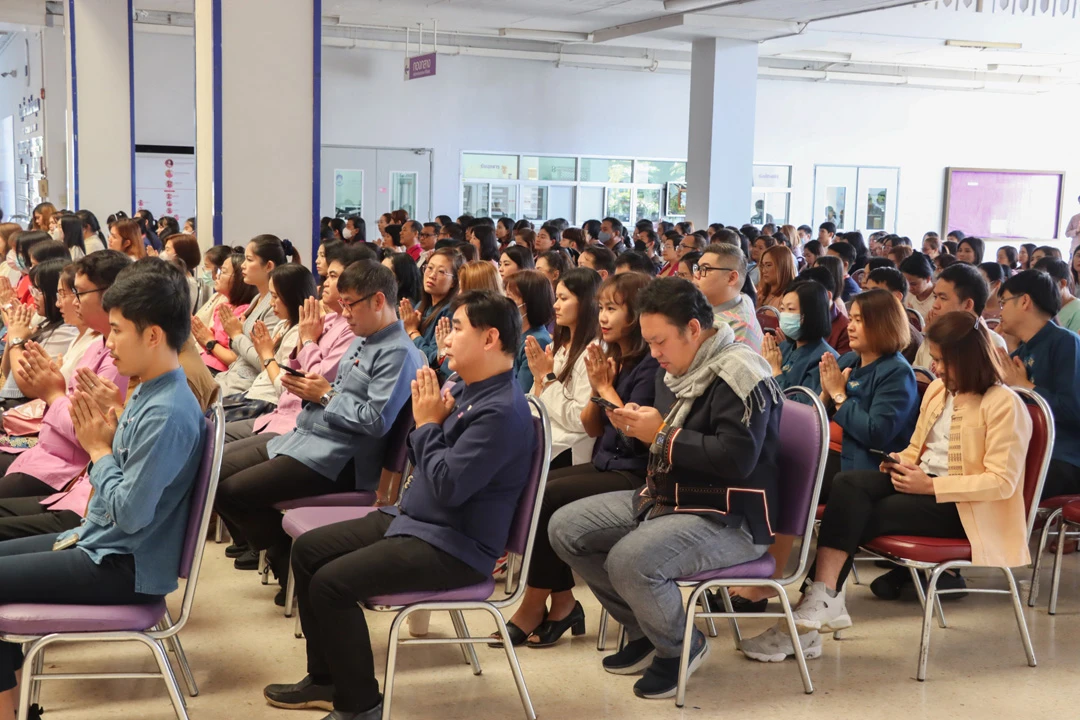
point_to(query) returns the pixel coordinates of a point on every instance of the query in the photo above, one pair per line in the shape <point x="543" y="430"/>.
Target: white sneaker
<point x="774" y="645"/>
<point x="818" y="610"/>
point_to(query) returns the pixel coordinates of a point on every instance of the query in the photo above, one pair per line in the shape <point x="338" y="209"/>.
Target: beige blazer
<point x="988" y="442"/>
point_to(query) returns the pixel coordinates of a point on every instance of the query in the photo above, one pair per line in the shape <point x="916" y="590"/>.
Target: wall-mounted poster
<point x="835" y="205"/>
<point x="676" y="199"/>
<point x="1015" y="204"/>
<point x="876" y="202"/>
<point x="165" y="184"/>
<point x="348" y="193"/>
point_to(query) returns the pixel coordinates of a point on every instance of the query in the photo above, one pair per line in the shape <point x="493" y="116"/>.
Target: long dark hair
<point x="410" y="284"/>
<point x="72" y="227"/>
<point x="457" y="260"/>
<point x="583" y="284"/>
<point x="46" y="278"/>
<point x="240" y="293"/>
<point x="90" y="222"/>
<point x="624" y="289"/>
<point x="293" y="284"/>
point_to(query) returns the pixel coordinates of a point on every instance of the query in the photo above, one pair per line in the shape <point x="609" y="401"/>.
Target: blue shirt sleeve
<point x="426" y="342"/>
<point x="894" y="398"/>
<point x="369" y="405"/>
<point x="457" y="471"/>
<point x="1064" y="364"/>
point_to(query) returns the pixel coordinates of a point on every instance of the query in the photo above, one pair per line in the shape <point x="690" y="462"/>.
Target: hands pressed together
<point x="429" y="404"/>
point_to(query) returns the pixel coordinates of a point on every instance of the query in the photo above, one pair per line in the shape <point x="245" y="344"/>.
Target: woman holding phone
<point x="961" y="476"/>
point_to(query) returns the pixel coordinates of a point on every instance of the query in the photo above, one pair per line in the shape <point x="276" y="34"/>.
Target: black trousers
<point x="18" y="485"/>
<point x="832" y="469"/>
<point x="1061" y="479"/>
<point x="252" y="483"/>
<point x="31" y="573"/>
<point x="340" y="565"/>
<point x="26" y="517"/>
<point x="6" y="461"/>
<point x="565" y="486"/>
<point x="864" y="505"/>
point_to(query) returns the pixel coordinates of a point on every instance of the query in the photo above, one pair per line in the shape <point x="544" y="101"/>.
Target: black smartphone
<point x="604" y="403"/>
<point x="884" y="457"/>
<point x="291" y="371"/>
<point x="769" y="331"/>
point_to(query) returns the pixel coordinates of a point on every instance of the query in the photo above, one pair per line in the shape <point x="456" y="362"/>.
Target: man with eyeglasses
<point x="58" y="458"/>
<point x="340" y="435"/>
<point x="429" y="235"/>
<point x="688" y="244"/>
<point x="1048" y="362"/>
<point x="719" y="274"/>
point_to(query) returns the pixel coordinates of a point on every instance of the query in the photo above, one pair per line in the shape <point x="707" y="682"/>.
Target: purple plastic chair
<point x="476" y="597"/>
<point x="804" y="446"/>
<point x="43" y="624"/>
<point x="397" y="456"/>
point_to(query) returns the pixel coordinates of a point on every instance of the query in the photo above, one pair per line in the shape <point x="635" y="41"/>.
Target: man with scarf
<point x="711" y="488"/>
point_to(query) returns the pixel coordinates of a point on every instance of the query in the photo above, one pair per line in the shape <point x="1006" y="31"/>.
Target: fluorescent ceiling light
<point x="1025" y="69"/>
<point x="984" y="45"/>
<point x="691" y="5"/>
<point x="548" y="35"/>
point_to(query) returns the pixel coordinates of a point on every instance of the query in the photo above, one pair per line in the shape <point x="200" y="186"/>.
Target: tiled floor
<point x="238" y="642"/>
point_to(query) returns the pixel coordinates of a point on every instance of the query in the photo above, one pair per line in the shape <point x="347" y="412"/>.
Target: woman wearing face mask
<point x="9" y="267"/>
<point x="355" y="230"/>
<point x="625" y="373"/>
<point x="68" y="229"/>
<point x="531" y="291"/>
<point x="213" y="260"/>
<point x="805" y="323"/>
<point x="24" y="243"/>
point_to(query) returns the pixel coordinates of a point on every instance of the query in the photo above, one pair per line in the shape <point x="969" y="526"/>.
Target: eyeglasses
<point x="438" y="273"/>
<point x="348" y="306"/>
<point x="1002" y="301"/>
<point x="79" y="293"/>
<point x="704" y="270"/>
<point x="36" y="292"/>
<point x="684" y="246"/>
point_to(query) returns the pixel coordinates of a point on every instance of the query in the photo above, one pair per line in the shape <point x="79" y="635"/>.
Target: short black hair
<point x="1038" y="286"/>
<point x="995" y="272"/>
<point x="891" y="278"/>
<point x="152" y="292"/>
<point x="592" y="227"/>
<point x="806" y="229"/>
<point x="49" y="250"/>
<point x="455" y="231"/>
<point x="845" y="251"/>
<point x="603" y="259"/>
<point x="726" y="235"/>
<point x="969" y="284"/>
<point x="815" y="309"/>
<point x="293" y="284"/>
<point x="102" y="267"/>
<point x="881" y="262"/>
<point x="347" y="254"/>
<point x="1057" y="269"/>
<point x="486" y="309"/>
<point x="918" y="265"/>
<point x="678" y="300"/>
<point x="834" y="265"/>
<point x="823" y="276"/>
<point x="814" y="247"/>
<point x="368" y="277"/>
<point x="958" y="234"/>
<point x="636" y="261"/>
<point x="829" y="227"/>
<point x="977" y="246"/>
<point x="616" y="224"/>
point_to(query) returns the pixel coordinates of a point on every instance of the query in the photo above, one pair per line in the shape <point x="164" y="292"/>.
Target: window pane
<point x="492" y="167"/>
<point x="403" y="192"/>
<point x="772" y="176"/>
<point x="618" y="204"/>
<point x="648" y="205"/>
<point x="474" y="199"/>
<point x="776" y="204"/>
<point x="607" y="171"/>
<point x="592" y="204"/>
<point x="561" y="201"/>
<point x="503" y="202"/>
<point x="559" y="169"/>
<point x="676" y="200"/>
<point x="659" y="172"/>
<point x="534" y="202"/>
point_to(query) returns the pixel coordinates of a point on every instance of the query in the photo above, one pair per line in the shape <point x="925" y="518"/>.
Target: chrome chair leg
<point x="391" y="662"/>
<point x="622" y="637"/>
<point x="181" y="659"/>
<point x="928" y="619"/>
<point x="732" y="621"/>
<point x="1021" y="621"/>
<point x="515" y="667"/>
<point x="855" y="572"/>
<point x="601" y="633"/>
<point x="705" y="605"/>
<point x="167" y="674"/>
<point x="219" y="529"/>
<point x="290" y="593"/>
<point x="1033" y="592"/>
<point x="463" y="632"/>
<point x="39" y="668"/>
<point x="298" y="629"/>
<point x="793" y="632"/>
<point x="1055" y="583"/>
<point x="264" y="568"/>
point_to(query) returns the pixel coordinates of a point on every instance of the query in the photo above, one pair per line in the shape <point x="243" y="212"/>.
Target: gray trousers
<point x="631" y="566"/>
<point x="239" y="430"/>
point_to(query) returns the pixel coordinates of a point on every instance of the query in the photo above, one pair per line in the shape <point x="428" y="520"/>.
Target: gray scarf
<point x="733" y="362"/>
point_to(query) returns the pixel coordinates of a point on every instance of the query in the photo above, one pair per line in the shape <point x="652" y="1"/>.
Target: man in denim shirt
<point x="143" y="465"/>
<point x="340" y="436"/>
<point x="472" y="449"/>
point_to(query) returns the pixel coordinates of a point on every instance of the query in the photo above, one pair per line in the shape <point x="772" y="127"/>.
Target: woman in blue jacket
<point x="806" y="324"/>
<point x="440" y="288"/>
<point x="871" y="391"/>
<point x="531" y="291"/>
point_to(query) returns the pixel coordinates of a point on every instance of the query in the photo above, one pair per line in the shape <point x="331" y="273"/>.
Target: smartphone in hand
<point x="291" y="371"/>
<point x="604" y="403"/>
<point x="884" y="457"/>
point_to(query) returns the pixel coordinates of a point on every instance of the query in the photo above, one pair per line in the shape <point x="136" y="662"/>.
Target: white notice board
<point x="165" y="184"/>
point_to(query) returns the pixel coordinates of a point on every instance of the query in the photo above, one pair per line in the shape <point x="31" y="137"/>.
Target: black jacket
<point x="721" y="468"/>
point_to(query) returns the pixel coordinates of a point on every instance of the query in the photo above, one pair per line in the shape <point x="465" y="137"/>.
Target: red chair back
<point x="923" y="378"/>
<point x="1039" y="449"/>
<point x="915" y="318"/>
<point x="768" y="317"/>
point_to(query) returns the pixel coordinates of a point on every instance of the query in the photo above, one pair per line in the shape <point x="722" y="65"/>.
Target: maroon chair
<point x="938" y="555"/>
<point x="768" y="318"/>
<point x="1050" y="511"/>
<point x="42" y="624"/>
<point x="915" y="318"/>
<point x="1070" y="518"/>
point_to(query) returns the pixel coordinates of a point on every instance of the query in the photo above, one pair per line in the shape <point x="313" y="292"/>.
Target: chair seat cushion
<point x="471" y="593"/>
<point x="1071" y="512"/>
<point x="42" y="619"/>
<point x="345" y="499"/>
<point x="301" y="520"/>
<point x="763" y="567"/>
<point x="921" y="549"/>
<point x="1053" y="503"/>
<point x="819" y="512"/>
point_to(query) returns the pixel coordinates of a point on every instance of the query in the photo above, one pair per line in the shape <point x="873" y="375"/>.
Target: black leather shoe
<point x="632" y="659"/>
<point x="279" y="599"/>
<point x="517" y="635"/>
<point x="234" y="551"/>
<point x="890" y="585"/>
<point x="374" y="713"/>
<point x="248" y="561"/>
<point x="661" y="679"/>
<point x="738" y="603"/>
<point x="550" y="631"/>
<point x="301" y="695"/>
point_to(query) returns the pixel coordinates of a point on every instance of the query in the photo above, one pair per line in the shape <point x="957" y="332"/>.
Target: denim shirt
<point x="880" y="411"/>
<point x="142" y="491"/>
<point x="426" y="342"/>
<point x="1052" y="360"/>
<point x="372" y="384"/>
<point x="799" y="365"/>
<point x="522" y="372"/>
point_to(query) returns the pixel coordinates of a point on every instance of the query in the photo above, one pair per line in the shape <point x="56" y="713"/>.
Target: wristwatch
<point x="325" y="399"/>
<point x="267" y="361"/>
<point x="17" y="342"/>
<point x="838" y="399"/>
<point x="210" y="345"/>
<point x="550" y="377"/>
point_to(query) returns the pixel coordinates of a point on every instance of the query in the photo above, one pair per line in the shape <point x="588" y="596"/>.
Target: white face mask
<point x="347" y="234"/>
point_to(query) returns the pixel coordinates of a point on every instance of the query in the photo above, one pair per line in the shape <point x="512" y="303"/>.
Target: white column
<point x="257" y="119"/>
<point x="720" y="157"/>
<point x="102" y="157"/>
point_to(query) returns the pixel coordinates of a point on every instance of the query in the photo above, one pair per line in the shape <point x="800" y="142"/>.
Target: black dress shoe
<point x="374" y="713"/>
<point x="738" y="603"/>
<point x="279" y="599"/>
<point x="550" y="631"/>
<point x="632" y="659"/>
<point x="517" y="635"/>
<point x="301" y="695"/>
<point x="236" y="550"/>
<point x="890" y="585"/>
<point x="248" y="561"/>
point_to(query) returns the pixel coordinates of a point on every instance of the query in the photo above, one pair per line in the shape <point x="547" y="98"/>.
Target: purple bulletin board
<point x="1017" y="204"/>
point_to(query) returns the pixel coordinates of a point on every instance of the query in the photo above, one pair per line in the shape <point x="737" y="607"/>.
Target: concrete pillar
<point x="101" y="158"/>
<point x="257" y="99"/>
<point x="720" y="157"/>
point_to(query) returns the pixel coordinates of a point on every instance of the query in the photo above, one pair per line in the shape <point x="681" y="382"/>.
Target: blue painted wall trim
<point x="74" y="110"/>
<point x="316" y="128"/>
<point x="218" y="224"/>
<point x="131" y="93"/>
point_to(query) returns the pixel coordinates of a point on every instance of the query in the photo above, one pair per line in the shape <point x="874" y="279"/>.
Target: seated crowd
<point x="660" y="353"/>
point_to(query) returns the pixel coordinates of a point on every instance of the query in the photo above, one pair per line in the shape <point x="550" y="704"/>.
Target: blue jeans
<point x="631" y="565"/>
